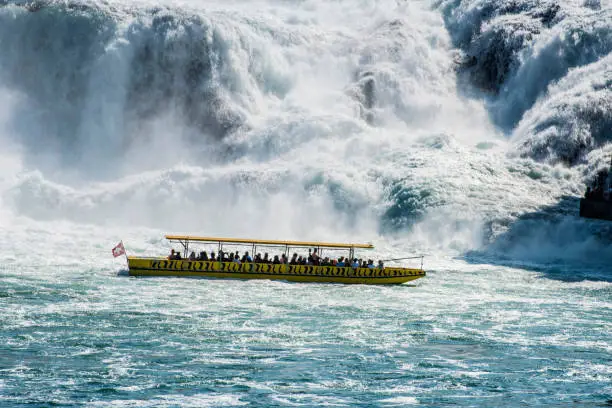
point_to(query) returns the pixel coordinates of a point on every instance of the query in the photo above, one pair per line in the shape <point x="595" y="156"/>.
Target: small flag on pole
<point x="119" y="250"/>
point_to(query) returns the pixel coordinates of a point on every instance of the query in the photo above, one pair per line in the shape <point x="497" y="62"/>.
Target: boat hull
<point x="139" y="266"/>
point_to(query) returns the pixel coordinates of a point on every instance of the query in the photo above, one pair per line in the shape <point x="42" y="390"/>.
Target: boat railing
<point x="158" y="258"/>
<point x="421" y="257"/>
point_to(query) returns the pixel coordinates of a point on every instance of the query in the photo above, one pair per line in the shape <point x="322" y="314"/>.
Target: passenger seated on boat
<point x="294" y="259"/>
<point x="192" y="256"/>
<point x="237" y="259"/>
<point x="276" y="261"/>
<point x="300" y="260"/>
<point x="381" y="265"/>
<point x="284" y="259"/>
<point x="265" y="258"/>
<point x="340" y="262"/>
<point x="316" y="259"/>
<point x="355" y="263"/>
<point x="177" y="255"/>
<point x="246" y="257"/>
<point x="258" y="258"/>
<point x="371" y="264"/>
<point x="310" y="260"/>
<point x="171" y="256"/>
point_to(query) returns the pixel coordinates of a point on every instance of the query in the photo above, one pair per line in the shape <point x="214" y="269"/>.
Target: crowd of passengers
<point x="313" y="258"/>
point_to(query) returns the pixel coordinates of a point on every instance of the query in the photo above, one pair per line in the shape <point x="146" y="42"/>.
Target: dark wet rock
<point x="494" y="54"/>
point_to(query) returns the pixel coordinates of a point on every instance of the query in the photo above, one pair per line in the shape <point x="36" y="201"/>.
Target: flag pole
<point x="124" y="251"/>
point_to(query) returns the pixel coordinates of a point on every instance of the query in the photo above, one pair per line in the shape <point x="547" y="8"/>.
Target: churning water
<point x="462" y="130"/>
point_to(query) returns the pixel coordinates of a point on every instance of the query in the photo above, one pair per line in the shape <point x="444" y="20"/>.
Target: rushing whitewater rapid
<point x="465" y="130"/>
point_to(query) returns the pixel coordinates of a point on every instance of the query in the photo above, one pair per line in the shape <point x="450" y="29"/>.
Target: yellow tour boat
<point x="281" y="269"/>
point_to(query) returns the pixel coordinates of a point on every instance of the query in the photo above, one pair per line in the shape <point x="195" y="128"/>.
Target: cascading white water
<point x="299" y="119"/>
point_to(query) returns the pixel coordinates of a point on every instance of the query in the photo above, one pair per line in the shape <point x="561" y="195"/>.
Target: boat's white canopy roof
<point x="242" y="241"/>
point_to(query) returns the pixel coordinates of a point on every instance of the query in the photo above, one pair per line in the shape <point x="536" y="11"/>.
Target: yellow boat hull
<point x="140" y="266"/>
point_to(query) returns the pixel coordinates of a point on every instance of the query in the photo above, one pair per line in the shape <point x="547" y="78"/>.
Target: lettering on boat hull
<point x="303" y="273"/>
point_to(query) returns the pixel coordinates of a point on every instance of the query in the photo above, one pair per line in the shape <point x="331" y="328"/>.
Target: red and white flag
<point x="119" y="250"/>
